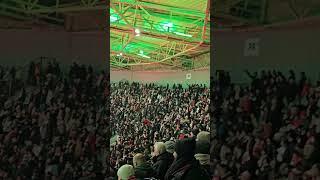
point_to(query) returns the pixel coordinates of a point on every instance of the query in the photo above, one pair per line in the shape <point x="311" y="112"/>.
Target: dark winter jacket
<point x="143" y="171"/>
<point x="186" y="167"/>
<point x="162" y="164"/>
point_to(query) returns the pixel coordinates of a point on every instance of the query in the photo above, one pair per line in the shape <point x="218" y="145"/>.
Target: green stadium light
<point x="145" y="56"/>
<point x="182" y="34"/>
<point x="167" y="25"/>
<point x="113" y="18"/>
<point x="141" y="53"/>
<point x="137" y="32"/>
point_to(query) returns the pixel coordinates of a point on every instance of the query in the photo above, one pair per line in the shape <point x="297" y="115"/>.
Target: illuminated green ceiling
<point x="153" y="31"/>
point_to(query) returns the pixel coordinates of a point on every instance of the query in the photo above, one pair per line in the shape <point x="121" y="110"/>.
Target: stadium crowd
<point x="54" y="124"/>
<point x="268" y="129"/>
<point x="49" y="124"/>
<point x="162" y="131"/>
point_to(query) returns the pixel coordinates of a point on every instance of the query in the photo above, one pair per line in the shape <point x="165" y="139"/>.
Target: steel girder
<point x="34" y="10"/>
<point x="133" y="16"/>
<point x="262" y="12"/>
<point x="245" y="11"/>
<point x="174" y="50"/>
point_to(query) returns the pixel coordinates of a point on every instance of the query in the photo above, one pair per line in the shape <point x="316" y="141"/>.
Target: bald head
<point x="138" y="159"/>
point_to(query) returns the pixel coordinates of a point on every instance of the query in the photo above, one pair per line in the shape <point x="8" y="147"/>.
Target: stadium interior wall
<point x="277" y="50"/>
<point x="163" y="77"/>
<point x="23" y="46"/>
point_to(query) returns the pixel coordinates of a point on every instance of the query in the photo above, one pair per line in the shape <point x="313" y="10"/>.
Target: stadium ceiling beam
<point x="69" y="9"/>
<point x="128" y="60"/>
<point x="33" y="4"/>
<point x="125" y="60"/>
<point x="159" y="57"/>
<point x="115" y="65"/>
<point x="145" y="15"/>
<point x="155" y="34"/>
<point x="13" y="15"/>
<point x="119" y="37"/>
<point x="122" y="17"/>
<point x="89" y="2"/>
<point x="196" y="33"/>
<point x="154" y="6"/>
<point x="26" y="12"/>
<point x="156" y="55"/>
<point x="223" y="10"/>
<point x="66" y="7"/>
<point x="155" y="51"/>
<point x="206" y="19"/>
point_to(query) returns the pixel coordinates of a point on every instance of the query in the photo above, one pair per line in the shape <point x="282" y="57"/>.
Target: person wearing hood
<point x="142" y="169"/>
<point x="185" y="166"/>
<point x="203" y="155"/>
<point x="162" y="160"/>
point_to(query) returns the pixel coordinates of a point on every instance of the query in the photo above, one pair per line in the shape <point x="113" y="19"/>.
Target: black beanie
<point x="202" y="147"/>
<point x="185" y="148"/>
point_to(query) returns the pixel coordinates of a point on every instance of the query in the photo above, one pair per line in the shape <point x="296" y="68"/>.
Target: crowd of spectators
<point x="162" y="126"/>
<point x="268" y="129"/>
<point x="53" y="124"/>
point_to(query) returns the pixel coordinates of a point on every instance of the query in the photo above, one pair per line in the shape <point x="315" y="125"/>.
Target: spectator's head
<point x="170" y="146"/>
<point x="125" y="172"/>
<point x="202" y="147"/>
<point x="138" y="159"/>
<point x="185" y="148"/>
<point x="203" y="136"/>
<point x="202" y="152"/>
<point x="159" y="148"/>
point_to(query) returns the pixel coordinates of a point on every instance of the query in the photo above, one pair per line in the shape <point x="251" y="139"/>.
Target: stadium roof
<point x="153" y="33"/>
<point x="252" y="13"/>
<point x="70" y="15"/>
<point x="158" y="33"/>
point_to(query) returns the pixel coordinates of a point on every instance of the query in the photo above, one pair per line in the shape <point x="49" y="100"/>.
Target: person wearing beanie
<point x="142" y="169"/>
<point x="126" y="172"/>
<point x="185" y="166"/>
<point x="169" y="146"/>
<point x="203" y="155"/>
<point x="162" y="160"/>
<point x="203" y="136"/>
